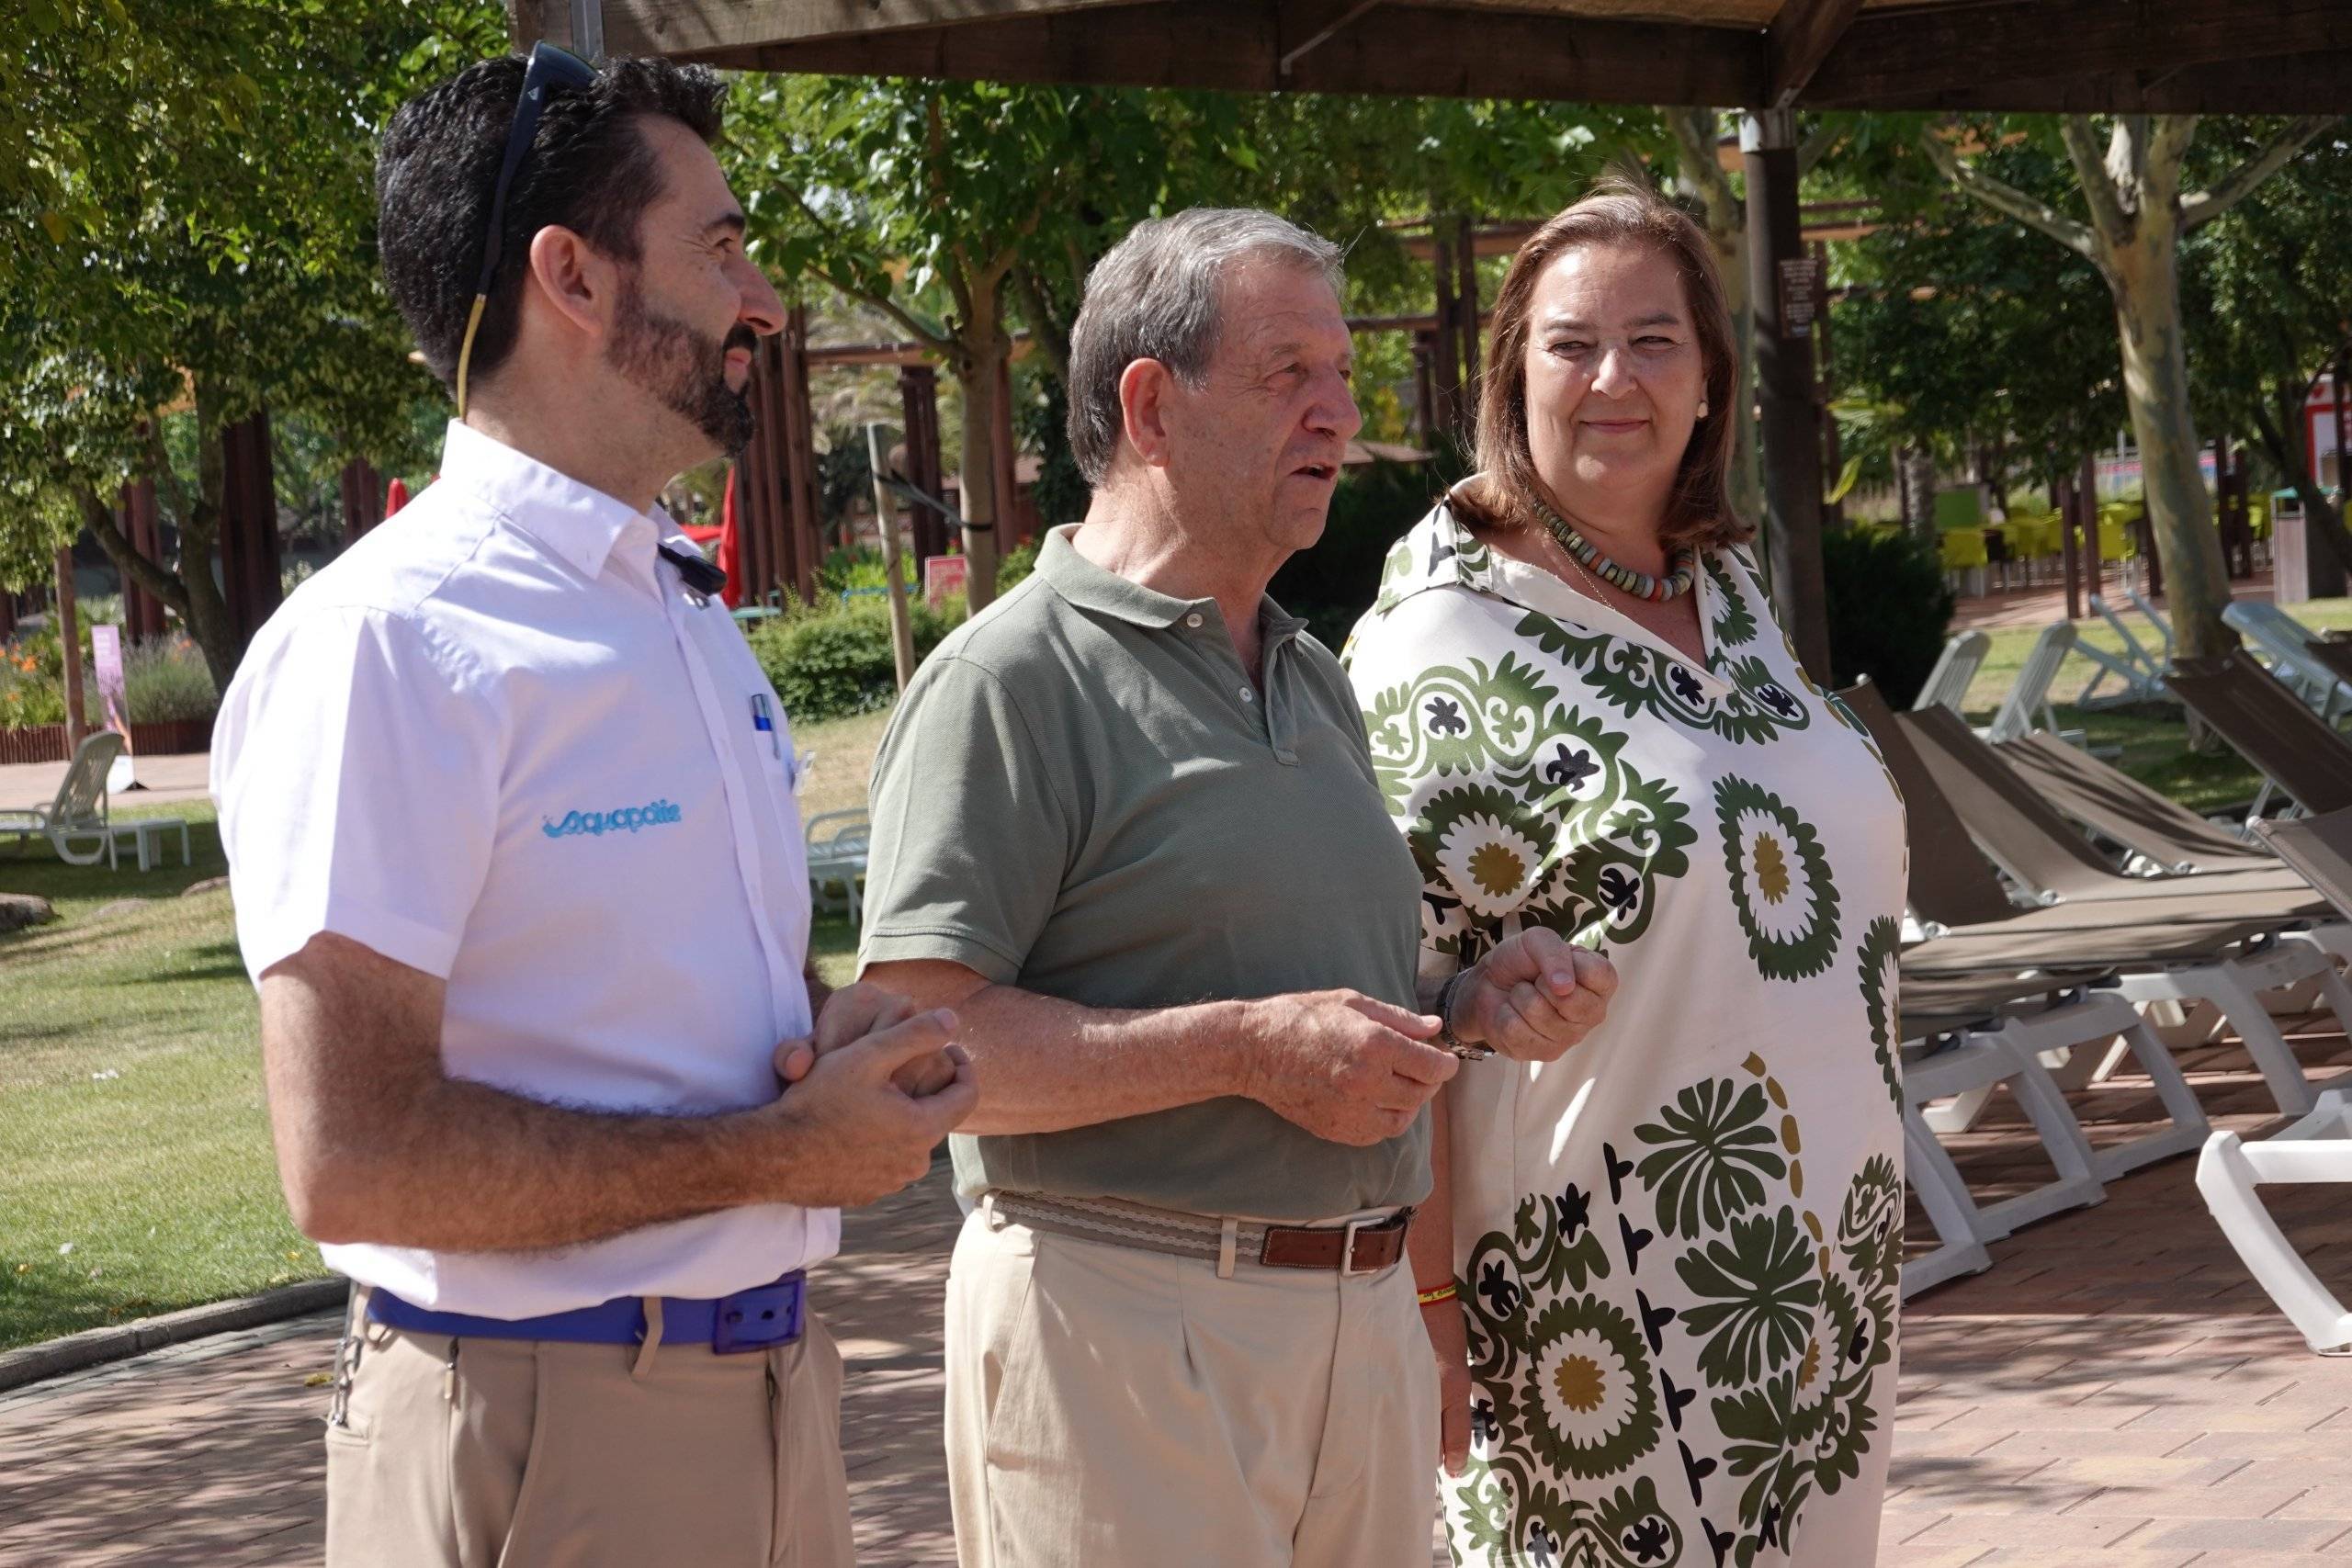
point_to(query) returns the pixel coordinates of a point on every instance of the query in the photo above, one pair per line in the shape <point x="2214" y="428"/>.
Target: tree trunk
<point x="1919" y="469"/>
<point x="209" y="626"/>
<point x="2144" y="276"/>
<point x="1725" y="217"/>
<point x="982" y="348"/>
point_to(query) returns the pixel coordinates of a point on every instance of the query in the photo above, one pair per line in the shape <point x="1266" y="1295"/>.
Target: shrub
<point x="1889" y="609"/>
<point x="168" y="680"/>
<point x="1333" y="583"/>
<point x="832" y="662"/>
<point x="1018" y="563"/>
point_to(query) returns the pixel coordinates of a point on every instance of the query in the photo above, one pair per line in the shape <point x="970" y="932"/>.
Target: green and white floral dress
<point x="1677" y="1246"/>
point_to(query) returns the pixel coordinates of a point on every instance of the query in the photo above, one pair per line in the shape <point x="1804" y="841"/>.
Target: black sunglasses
<point x="549" y="67"/>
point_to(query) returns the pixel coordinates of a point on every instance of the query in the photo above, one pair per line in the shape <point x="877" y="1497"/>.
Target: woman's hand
<point x="1449" y="1343"/>
<point x="1534" y="996"/>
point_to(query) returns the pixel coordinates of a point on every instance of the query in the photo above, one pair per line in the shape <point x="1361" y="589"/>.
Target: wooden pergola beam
<point x="1800" y="38"/>
<point x="1982" y="54"/>
<point x="2305" y="84"/>
<point x="1236" y="45"/>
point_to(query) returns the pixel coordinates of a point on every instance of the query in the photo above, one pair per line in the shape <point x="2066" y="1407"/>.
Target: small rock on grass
<point x="18" y="910"/>
<point x="209" y="885"/>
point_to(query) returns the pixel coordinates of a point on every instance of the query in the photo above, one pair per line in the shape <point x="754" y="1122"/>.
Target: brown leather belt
<point x="1356" y="1246"/>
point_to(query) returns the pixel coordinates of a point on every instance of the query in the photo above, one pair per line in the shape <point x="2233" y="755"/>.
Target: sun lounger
<point x="1964" y="1053"/>
<point x="2224" y="950"/>
<point x="2155" y="828"/>
<point x="2297" y="752"/>
<point x="2029" y="838"/>
<point x="2138" y="674"/>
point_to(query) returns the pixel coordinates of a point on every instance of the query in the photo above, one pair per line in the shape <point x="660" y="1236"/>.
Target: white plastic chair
<point x="2284" y="641"/>
<point x="1955" y="667"/>
<point x="2140" y="674"/>
<point x="2316" y="1148"/>
<point x="837" y="849"/>
<point x="2027" y="708"/>
<point x="80" y="810"/>
<point x="2012" y="1051"/>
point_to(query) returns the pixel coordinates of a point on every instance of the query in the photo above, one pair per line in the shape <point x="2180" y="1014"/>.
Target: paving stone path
<point x="2113" y="1394"/>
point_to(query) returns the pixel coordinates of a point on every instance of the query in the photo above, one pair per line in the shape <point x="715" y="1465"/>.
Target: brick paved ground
<point x="2113" y="1392"/>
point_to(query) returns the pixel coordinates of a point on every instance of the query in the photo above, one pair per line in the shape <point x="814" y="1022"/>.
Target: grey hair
<point x="1154" y="296"/>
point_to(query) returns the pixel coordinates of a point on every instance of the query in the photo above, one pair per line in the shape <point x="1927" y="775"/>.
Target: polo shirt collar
<point x="579" y="523"/>
<point x="1091" y="589"/>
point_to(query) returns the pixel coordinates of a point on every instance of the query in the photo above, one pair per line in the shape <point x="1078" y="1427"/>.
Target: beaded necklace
<point x="1640" y="584"/>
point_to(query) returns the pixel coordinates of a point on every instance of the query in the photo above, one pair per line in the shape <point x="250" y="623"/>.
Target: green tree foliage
<point x="2267" y="294"/>
<point x="1959" y="329"/>
<point x="2141" y="184"/>
<point x="208" y="170"/>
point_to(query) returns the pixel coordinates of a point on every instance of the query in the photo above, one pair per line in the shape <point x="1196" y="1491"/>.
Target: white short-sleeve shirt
<point x="497" y="741"/>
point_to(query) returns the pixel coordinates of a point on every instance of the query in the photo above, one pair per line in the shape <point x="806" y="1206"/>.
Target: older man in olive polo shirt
<point x="1125" y="822"/>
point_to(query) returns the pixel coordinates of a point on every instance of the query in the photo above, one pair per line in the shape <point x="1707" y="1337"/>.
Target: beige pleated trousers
<point x="516" y="1453"/>
<point x="1113" y="1406"/>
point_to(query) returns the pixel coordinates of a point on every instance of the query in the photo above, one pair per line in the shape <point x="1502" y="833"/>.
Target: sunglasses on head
<point x="549" y="67"/>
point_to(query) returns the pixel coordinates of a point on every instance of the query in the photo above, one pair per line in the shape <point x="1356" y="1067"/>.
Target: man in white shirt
<point x="518" y="873"/>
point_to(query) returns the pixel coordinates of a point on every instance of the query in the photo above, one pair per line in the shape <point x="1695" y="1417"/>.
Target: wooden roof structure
<point x="2124" y="56"/>
<point x="1771" y="58"/>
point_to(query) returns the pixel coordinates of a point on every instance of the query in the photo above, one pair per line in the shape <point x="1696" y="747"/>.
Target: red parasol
<point x="395" y="496"/>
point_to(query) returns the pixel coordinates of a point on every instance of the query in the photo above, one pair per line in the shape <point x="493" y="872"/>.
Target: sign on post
<point x="114" y="697"/>
<point x="943" y="575"/>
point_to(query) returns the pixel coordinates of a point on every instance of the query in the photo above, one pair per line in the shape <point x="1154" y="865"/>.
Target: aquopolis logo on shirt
<point x="621" y="819"/>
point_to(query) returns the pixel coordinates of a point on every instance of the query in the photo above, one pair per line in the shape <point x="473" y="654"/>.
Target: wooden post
<point x="1465" y="306"/>
<point x="249" y="559"/>
<point x="2062" y="496"/>
<point x="2086" y="519"/>
<point x="1426" y="422"/>
<point x="147" y="538"/>
<point x="69" y="632"/>
<point x="1825" y="391"/>
<point x="1446" y="409"/>
<point x="363" y="500"/>
<point x="1012" y="523"/>
<point x="804" y="551"/>
<point x="1784" y="294"/>
<point x="886" y="520"/>
<point x="7" y="615"/>
<point x="919" y="401"/>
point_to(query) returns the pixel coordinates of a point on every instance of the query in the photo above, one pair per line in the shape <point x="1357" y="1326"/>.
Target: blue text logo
<point x="622" y="819"/>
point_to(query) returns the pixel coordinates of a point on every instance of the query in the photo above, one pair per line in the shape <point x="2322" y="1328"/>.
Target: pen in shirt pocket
<point x="763" y="719"/>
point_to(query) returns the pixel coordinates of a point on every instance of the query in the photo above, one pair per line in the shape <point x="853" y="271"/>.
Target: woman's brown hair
<point x="1619" y="211"/>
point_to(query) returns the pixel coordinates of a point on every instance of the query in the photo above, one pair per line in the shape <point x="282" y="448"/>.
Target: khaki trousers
<point x="516" y="1453"/>
<point x="1109" y="1406"/>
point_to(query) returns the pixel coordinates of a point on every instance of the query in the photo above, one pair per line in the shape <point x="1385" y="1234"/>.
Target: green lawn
<point x="137" y="1175"/>
<point x="2153" y="739"/>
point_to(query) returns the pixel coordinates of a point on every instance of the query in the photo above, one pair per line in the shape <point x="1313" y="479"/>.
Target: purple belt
<point x="756" y="1319"/>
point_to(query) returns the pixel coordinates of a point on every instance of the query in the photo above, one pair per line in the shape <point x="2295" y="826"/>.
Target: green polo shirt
<point x="1085" y="795"/>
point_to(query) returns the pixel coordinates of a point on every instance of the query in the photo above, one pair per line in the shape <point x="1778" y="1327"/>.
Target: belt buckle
<point x="759" y="1318"/>
<point x="1348" y="1246"/>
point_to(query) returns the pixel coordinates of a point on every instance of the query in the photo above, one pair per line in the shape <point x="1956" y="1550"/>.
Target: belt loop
<point x="996" y="1222"/>
<point x="1229" y="1235"/>
<point x="644" y="1362"/>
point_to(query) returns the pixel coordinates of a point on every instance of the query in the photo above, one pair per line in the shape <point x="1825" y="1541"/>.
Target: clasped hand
<point x="1534" y="996"/>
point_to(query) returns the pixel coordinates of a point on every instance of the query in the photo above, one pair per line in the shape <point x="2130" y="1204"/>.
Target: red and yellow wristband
<point x="1444" y="1292"/>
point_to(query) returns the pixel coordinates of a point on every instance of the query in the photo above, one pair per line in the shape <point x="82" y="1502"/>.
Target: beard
<point x="684" y="369"/>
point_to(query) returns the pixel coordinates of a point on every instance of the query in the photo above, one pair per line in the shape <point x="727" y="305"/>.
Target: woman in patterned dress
<point x="1676" y="1249"/>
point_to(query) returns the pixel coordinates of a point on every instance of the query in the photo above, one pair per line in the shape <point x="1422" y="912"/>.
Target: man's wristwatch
<point x="1462" y="1048"/>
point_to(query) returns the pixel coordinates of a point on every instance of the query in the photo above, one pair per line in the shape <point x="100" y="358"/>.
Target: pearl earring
<point x="1702" y="411"/>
